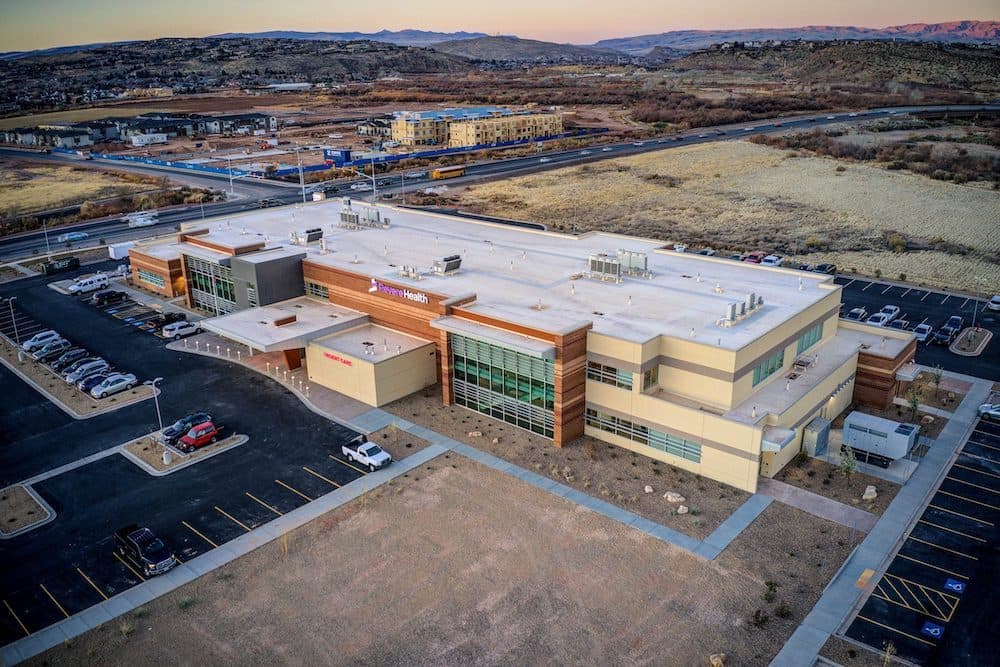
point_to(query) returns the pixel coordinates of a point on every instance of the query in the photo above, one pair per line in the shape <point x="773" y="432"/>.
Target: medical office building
<point x="714" y="366"/>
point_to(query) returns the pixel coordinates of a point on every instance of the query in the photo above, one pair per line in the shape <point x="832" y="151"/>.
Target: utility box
<point x="816" y="437"/>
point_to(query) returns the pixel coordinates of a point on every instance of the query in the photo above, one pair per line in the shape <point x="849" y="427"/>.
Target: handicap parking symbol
<point x="932" y="630"/>
<point x="955" y="586"/>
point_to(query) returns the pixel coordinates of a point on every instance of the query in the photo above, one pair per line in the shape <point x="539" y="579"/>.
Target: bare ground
<point x="738" y="196"/>
<point x="460" y="564"/>
<point x="850" y="655"/>
<point x="827" y="480"/>
<point x="18" y="509"/>
<point x="32" y="187"/>
<point x="601" y="470"/>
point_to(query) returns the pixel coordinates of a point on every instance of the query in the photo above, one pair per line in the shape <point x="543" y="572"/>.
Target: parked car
<point x="754" y="257"/>
<point x="707" y="252"/>
<point x="113" y="384"/>
<point x="88" y="383"/>
<point x="737" y="257"/>
<point x="75" y="365"/>
<point x="879" y="319"/>
<point x="828" y="269"/>
<point x="856" y="315"/>
<point x="366" y="453"/>
<point x="994" y="302"/>
<point x="87" y="369"/>
<point x="890" y="311"/>
<point x="142" y="548"/>
<point x="68" y="357"/>
<point x="923" y="332"/>
<point x="205" y="433"/>
<point x="180" y="330"/>
<point x="157" y="322"/>
<point x="955" y="322"/>
<point x="173" y="433"/>
<point x="990" y="411"/>
<point x="89" y="284"/>
<point x="901" y="325"/>
<point x="72" y="236"/>
<point x="108" y="297"/>
<point x="944" y="336"/>
<point x="772" y="260"/>
<point x="51" y="350"/>
<point x="39" y="340"/>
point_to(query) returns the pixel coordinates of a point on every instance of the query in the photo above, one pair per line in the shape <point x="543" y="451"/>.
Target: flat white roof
<point x="169" y="250"/>
<point x="385" y="343"/>
<point x="536" y="278"/>
<point x="256" y="326"/>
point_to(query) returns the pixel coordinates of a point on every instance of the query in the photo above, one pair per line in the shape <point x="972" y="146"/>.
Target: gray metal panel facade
<point x="273" y="280"/>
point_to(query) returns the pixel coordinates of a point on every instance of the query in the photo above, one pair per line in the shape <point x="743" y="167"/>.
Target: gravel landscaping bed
<point x="150" y="451"/>
<point x="827" y="480"/>
<point x="19" y="509"/>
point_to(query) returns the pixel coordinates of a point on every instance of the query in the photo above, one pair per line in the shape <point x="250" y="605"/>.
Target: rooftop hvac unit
<point x="314" y="234"/>
<point x="349" y="218"/>
<point x="634" y="263"/>
<point x="605" y="267"/>
<point x="447" y="265"/>
<point x="731" y="311"/>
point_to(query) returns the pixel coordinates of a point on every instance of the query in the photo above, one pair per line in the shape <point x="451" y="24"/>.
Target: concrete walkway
<point x="842" y="597"/>
<point x="817" y="505"/>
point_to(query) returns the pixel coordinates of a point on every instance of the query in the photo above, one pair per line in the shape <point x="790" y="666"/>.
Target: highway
<point x="247" y="191"/>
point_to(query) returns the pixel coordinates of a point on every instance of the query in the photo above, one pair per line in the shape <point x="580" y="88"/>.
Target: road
<point x="289" y="193"/>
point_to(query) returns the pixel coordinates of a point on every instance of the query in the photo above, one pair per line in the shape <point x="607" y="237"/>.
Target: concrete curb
<point x="953" y="348"/>
<point x="238" y="440"/>
<point x="50" y="514"/>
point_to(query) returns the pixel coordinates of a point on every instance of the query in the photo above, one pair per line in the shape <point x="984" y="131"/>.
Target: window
<point x="809" y="338"/>
<point x="210" y="285"/>
<point x="659" y="440"/>
<point x="609" y="375"/>
<point x="650" y="378"/>
<point x="317" y="290"/>
<point x="154" y="279"/>
<point x="768" y="367"/>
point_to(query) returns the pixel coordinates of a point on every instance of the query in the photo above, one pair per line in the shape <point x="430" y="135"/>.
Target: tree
<point x="848" y="462"/>
<point x="913" y="398"/>
<point x="936" y="375"/>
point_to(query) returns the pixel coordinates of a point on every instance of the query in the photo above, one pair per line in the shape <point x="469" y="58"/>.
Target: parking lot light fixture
<point x="10" y="302"/>
<point x="156" y="401"/>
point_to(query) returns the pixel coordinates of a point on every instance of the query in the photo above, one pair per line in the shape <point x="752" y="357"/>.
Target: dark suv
<point x="179" y="428"/>
<point x="142" y="548"/>
<point x="108" y="297"/>
<point x="157" y="322"/>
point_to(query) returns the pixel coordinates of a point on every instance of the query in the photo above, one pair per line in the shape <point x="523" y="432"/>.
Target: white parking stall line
<point x="945" y="299"/>
<point x="887" y="289"/>
<point x="963" y="304"/>
<point x="925" y="296"/>
<point x="908" y="290"/>
<point x="866" y="286"/>
<point x="923" y="321"/>
<point x="853" y="280"/>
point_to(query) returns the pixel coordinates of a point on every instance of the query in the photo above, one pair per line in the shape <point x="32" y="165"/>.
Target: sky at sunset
<point x="34" y="24"/>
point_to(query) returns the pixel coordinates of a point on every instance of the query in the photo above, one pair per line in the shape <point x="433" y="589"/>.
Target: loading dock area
<point x="929" y="601"/>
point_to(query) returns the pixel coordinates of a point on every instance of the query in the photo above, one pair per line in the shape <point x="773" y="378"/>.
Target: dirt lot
<point x="399" y="444"/>
<point x="18" y="509"/>
<point x="827" y="480"/>
<point x="594" y="467"/>
<point x="475" y="567"/>
<point x="742" y="196"/>
<point x="849" y="655"/>
<point x="28" y="187"/>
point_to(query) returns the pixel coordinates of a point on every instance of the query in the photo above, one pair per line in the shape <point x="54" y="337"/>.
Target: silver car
<point x="86" y="370"/>
<point x="113" y="384"/>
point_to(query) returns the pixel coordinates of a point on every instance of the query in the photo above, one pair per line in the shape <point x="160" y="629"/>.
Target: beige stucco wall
<point x="404" y="374"/>
<point x="377" y="382"/>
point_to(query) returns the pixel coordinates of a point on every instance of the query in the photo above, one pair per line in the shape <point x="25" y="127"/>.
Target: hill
<point x="978" y="32"/>
<point x="400" y="37"/>
<point x="958" y="66"/>
<point x="514" y="49"/>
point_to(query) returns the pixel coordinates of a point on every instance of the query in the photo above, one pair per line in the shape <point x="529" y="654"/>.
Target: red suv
<point x="205" y="433"/>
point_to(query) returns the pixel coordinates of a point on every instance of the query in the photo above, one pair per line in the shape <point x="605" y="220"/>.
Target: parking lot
<point x="930" y="600"/>
<point x="918" y="305"/>
<point x="56" y="570"/>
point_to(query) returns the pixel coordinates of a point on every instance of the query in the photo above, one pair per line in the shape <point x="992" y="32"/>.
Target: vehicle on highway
<point x="140" y="219"/>
<point x="268" y="202"/>
<point x="205" y="433"/>
<point x="86" y="369"/>
<point x="175" y="431"/>
<point x="754" y="257"/>
<point x="447" y="172"/>
<point x="638" y="143"/>
<point x="707" y="252"/>
<point x="72" y="236"/>
<point x="177" y="330"/>
<point x="853" y="115"/>
<point x="384" y="182"/>
<point x="366" y="453"/>
<point x="679" y="138"/>
<point x="737" y="257"/>
<point x="157" y="322"/>
<point x="144" y="549"/>
<point x="831" y="117"/>
<point x="89" y="284"/>
<point x="607" y="148"/>
<point x="362" y="187"/>
<point x="990" y="411"/>
<point x="545" y="159"/>
<point x="923" y="332"/>
<point x="113" y="384"/>
<point x="86" y="384"/>
<point x="856" y="315"/>
<point x="878" y="319"/>
<point x="828" y="269"/>
<point x="955" y="322"/>
<point x="584" y="152"/>
<point x="417" y="174"/>
<point x="994" y="302"/>
<point x="680" y="247"/>
<point x="890" y="311"/>
<point x="40" y="339"/>
<point x="51" y="350"/>
<point x="772" y="260"/>
<point x="108" y="297"/>
<point x="68" y="357"/>
<point x="749" y="129"/>
<point x="702" y="136"/>
<point x="60" y="265"/>
<point x="901" y="325"/>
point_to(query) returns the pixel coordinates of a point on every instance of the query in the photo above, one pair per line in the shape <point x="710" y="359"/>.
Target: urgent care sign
<point x="338" y="358"/>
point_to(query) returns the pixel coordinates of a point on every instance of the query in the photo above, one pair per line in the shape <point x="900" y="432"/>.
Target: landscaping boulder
<point x="648" y="489"/>
<point x="717" y="660"/>
<point x="673" y="497"/>
<point x="682" y="509"/>
<point x="475" y="434"/>
<point x="870" y="493"/>
<point x="496" y="441"/>
<point x="927" y="419"/>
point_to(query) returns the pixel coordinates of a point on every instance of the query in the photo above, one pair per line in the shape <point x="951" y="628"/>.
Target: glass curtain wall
<point x="211" y="286"/>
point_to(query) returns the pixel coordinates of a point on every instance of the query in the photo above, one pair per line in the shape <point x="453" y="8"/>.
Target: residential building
<point x="713" y="366"/>
<point x="431" y="128"/>
<point x="375" y="127"/>
<point x="517" y="127"/>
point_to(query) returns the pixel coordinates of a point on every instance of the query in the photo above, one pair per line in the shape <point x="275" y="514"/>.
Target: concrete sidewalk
<point x="817" y="505"/>
<point x="842" y="597"/>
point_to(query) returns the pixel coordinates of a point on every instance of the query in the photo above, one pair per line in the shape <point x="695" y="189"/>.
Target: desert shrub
<point x="759" y="618"/>
<point x="783" y="610"/>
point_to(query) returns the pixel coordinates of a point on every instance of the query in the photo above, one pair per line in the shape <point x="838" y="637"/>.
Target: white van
<point x="89" y="284"/>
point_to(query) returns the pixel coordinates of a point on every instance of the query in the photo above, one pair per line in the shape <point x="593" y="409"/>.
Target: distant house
<point x="375" y="127"/>
<point x="241" y="123"/>
<point x="148" y="139"/>
<point x="62" y="138"/>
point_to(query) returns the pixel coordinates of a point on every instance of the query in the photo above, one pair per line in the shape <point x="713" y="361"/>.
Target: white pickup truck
<point x="366" y="453"/>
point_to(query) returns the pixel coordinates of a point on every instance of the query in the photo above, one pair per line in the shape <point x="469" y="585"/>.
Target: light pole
<point x="156" y="400"/>
<point x="229" y="168"/>
<point x="302" y="182"/>
<point x="10" y="302"/>
<point x="45" y="230"/>
<point x="975" y="305"/>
